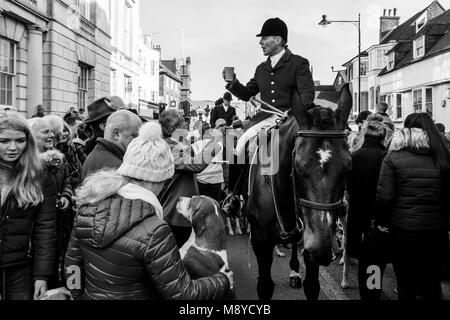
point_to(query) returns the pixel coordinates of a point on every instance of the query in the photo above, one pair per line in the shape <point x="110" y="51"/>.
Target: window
<point x="379" y="59"/>
<point x="421" y="22"/>
<point x="417" y="100"/>
<point x="128" y="88"/>
<point x="364" y="100"/>
<point x="372" y="98"/>
<point x="152" y="70"/>
<point x="114" y="82"/>
<point x="419" y="47"/>
<point x="377" y="95"/>
<point x="7" y="72"/>
<point x="399" y="113"/>
<point x="83" y="86"/>
<point x="84" y="8"/>
<point x="429" y="101"/>
<point x="391" y="61"/>
<point x="127" y="32"/>
<point x="350" y="72"/>
<point x="364" y="66"/>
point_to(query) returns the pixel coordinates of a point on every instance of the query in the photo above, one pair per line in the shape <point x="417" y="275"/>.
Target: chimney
<point x="388" y="22"/>
<point x="157" y="47"/>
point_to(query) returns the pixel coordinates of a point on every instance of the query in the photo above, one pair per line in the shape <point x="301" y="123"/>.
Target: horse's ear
<point x="345" y="106"/>
<point x="299" y="110"/>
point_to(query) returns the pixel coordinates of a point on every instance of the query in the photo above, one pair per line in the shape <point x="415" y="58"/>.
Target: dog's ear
<point x="199" y="225"/>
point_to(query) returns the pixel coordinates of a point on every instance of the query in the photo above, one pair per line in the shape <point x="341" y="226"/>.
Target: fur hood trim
<point x="413" y="138"/>
<point x="49" y="155"/>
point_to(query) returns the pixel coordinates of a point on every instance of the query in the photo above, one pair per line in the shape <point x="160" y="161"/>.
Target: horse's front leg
<point x="263" y="249"/>
<point x="311" y="285"/>
<point x="295" y="279"/>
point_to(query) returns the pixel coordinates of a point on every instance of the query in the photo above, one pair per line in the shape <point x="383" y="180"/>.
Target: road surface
<point x="243" y="263"/>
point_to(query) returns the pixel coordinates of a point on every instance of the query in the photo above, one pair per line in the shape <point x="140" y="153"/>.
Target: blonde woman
<point x="27" y="217"/>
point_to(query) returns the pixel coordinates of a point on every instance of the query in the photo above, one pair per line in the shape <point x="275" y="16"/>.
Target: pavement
<point x="243" y="264"/>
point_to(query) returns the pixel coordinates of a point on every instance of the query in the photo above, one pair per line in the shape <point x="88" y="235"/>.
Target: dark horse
<point x="308" y="189"/>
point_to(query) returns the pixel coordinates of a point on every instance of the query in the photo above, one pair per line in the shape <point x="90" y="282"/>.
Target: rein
<point x="330" y="134"/>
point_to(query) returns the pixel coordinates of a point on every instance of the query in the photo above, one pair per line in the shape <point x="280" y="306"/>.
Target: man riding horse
<point x="275" y="79"/>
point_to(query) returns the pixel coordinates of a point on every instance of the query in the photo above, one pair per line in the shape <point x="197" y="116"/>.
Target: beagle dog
<point x="204" y="254"/>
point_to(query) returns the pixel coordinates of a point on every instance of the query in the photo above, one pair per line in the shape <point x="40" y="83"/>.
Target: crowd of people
<point x="100" y="193"/>
<point x="401" y="207"/>
<point x="111" y="208"/>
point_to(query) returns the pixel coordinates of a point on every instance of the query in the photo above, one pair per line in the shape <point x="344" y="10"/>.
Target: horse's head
<point x="321" y="161"/>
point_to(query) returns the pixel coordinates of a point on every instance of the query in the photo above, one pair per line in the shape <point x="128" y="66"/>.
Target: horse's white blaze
<point x="325" y="156"/>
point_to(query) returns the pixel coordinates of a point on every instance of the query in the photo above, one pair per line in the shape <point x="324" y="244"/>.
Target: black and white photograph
<point x="225" y="154"/>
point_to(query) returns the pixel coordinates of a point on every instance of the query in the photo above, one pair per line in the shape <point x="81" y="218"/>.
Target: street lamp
<point x="357" y="23"/>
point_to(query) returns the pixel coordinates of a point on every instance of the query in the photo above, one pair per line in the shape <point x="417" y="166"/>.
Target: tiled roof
<point x="164" y="70"/>
<point x="363" y="54"/>
<point x="437" y="40"/>
<point x="405" y="31"/>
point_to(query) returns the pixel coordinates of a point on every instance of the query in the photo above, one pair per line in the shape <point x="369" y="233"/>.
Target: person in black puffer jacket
<point x="27" y="217"/>
<point x="366" y="162"/>
<point x="413" y="200"/>
<point x="120" y="244"/>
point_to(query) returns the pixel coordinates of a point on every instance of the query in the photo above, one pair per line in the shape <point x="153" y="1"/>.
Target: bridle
<point x="339" y="205"/>
<point x="330" y="134"/>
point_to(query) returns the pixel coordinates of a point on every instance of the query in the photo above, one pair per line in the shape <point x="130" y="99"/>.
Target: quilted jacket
<point x="124" y="251"/>
<point x="410" y="193"/>
<point x="28" y="235"/>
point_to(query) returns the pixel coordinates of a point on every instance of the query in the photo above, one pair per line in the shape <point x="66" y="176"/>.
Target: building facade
<point x="54" y="53"/>
<point x="148" y="81"/>
<point x="134" y="60"/>
<point x="185" y="92"/>
<point x="408" y="68"/>
<point x="125" y="44"/>
<point x="352" y="67"/>
<point x="170" y="84"/>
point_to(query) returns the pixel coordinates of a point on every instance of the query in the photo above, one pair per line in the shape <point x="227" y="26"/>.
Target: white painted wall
<point x="434" y="73"/>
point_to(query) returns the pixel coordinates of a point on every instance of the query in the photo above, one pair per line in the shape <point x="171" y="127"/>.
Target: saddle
<point x="286" y="236"/>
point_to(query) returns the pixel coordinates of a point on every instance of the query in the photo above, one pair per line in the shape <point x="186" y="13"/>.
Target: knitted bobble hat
<point x="148" y="157"/>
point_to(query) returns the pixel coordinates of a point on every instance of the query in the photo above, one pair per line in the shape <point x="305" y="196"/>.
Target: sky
<point x="219" y="33"/>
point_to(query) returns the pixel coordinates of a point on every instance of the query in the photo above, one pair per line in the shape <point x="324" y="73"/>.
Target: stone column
<point x="34" y="69"/>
